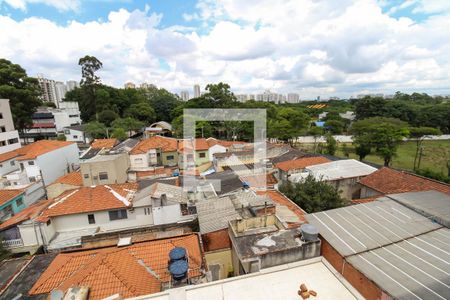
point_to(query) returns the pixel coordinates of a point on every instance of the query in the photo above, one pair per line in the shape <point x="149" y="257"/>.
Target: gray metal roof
<point x="417" y="268"/>
<point x="432" y="204"/>
<point x="363" y="227"/>
<point x="214" y="214"/>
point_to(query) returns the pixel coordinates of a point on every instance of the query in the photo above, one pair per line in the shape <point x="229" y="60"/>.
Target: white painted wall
<point x="55" y="164"/>
<point x="166" y="214"/>
<point x="216" y="149"/>
<point x="138" y="161"/>
<point x="6" y="166"/>
<point x="135" y="218"/>
<point x="78" y="136"/>
<point x="34" y="193"/>
<point x="6" y="136"/>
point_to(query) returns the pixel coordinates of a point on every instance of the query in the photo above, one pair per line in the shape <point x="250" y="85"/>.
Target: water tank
<point x="177" y="254"/>
<point x="178" y="269"/>
<point x="309" y="232"/>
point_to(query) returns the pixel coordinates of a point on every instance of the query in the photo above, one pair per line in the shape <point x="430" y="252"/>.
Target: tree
<point x="331" y="145"/>
<point x="89" y="80"/>
<point x="119" y="133"/>
<point x="345" y="150"/>
<point x="61" y="137"/>
<point x="381" y="134"/>
<point x="22" y="91"/>
<point x="142" y="112"/>
<point x="316" y="132"/>
<point x="313" y="195"/>
<point x="219" y="94"/>
<point x="96" y="130"/>
<point x="368" y="107"/>
<point x="419" y="134"/>
<point x="107" y="117"/>
<point x="334" y="126"/>
<point x="128" y="124"/>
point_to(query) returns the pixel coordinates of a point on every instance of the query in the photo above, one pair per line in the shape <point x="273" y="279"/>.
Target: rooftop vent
<point x="309" y="232"/>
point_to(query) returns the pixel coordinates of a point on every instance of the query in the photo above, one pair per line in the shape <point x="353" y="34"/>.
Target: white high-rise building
<point x="60" y="89"/>
<point x="48" y="89"/>
<point x="71" y="85"/>
<point x="184" y="95"/>
<point x="9" y="137"/>
<point x="196" y="91"/>
<point x="242" y="97"/>
<point x="293" y="98"/>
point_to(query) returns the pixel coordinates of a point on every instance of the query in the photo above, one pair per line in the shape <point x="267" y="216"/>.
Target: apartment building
<point x="105" y="169"/>
<point x="9" y="137"/>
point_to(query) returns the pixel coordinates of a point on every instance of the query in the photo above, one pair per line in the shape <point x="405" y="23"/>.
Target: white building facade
<point x="9" y="137"/>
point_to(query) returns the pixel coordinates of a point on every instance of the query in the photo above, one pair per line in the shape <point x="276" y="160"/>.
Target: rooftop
<point x="80" y="127"/>
<point x="72" y="178"/>
<point x="103" y="157"/>
<point x="28" y="213"/>
<point x="166" y="144"/>
<point x="91" y="152"/>
<point x="131" y="271"/>
<point x="390" y="181"/>
<point x="286" y="209"/>
<point x="402" y="251"/>
<point x="104" y="143"/>
<point x="33" y="150"/>
<point x="280" y="282"/>
<point x="94" y="198"/>
<point x="301" y="163"/>
<point x="335" y="170"/>
<point x="291" y="154"/>
<point x="214" y="214"/>
<point x="213" y="141"/>
<point x="199" y="144"/>
<point x="229" y="181"/>
<point x="7" y="195"/>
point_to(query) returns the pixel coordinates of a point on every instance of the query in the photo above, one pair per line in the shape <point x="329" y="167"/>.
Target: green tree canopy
<point x="119" y="133"/>
<point x="331" y="145"/>
<point x="313" y="195"/>
<point x="141" y="111"/>
<point x="22" y="91"/>
<point x="107" y="117"/>
<point x="128" y="124"/>
<point x="419" y="134"/>
<point x="96" y="130"/>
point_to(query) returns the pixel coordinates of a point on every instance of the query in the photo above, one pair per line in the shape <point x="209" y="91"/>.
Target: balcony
<point x="10" y="244"/>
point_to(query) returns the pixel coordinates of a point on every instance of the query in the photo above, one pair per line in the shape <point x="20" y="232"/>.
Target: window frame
<point x="121" y="214"/>
<point x="102" y="174"/>
<point x="91" y="218"/>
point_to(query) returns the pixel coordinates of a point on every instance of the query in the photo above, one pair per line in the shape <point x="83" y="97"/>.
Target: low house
<point x="390" y="181"/>
<point x="193" y="153"/>
<point x="11" y="202"/>
<point x="105" y="169"/>
<point x="220" y="146"/>
<point x="77" y="133"/>
<point x="343" y="174"/>
<point x="123" y="272"/>
<point x="154" y="151"/>
<point x="21" y="233"/>
<point x="393" y="248"/>
<point x="263" y="242"/>
<point x="158" y="128"/>
<point x="64" y="183"/>
<point x="289" y="167"/>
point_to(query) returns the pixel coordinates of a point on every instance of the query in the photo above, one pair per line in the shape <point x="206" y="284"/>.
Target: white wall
<point x="34" y="193"/>
<point x="6" y="167"/>
<point x="166" y="214"/>
<point x="30" y="234"/>
<point x="138" y="161"/>
<point x="54" y="164"/>
<point x="5" y="136"/>
<point x="216" y="149"/>
<point x="80" y="221"/>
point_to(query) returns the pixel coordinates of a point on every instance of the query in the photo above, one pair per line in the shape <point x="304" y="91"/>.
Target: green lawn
<point x="435" y="155"/>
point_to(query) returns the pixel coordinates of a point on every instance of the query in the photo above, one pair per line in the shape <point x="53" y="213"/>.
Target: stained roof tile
<point x="7" y="195"/>
<point x="72" y="178"/>
<point x="166" y="144"/>
<point x="301" y="163"/>
<point x="104" y="143"/>
<point x="26" y="214"/>
<point x="31" y="151"/>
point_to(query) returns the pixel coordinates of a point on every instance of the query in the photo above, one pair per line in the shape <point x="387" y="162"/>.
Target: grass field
<point x="435" y="155"/>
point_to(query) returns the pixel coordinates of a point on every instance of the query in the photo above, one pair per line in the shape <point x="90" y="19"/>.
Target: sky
<point x="311" y="47"/>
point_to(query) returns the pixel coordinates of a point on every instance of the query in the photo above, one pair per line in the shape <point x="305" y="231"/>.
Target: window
<point x="117" y="214"/>
<point x="1" y="115"/>
<point x="13" y="163"/>
<point x="202" y="154"/>
<point x="2" y="143"/>
<point x="19" y="202"/>
<point x="103" y="176"/>
<point x="31" y="163"/>
<point x="1" y="165"/>
<point x="91" y="219"/>
<point x="170" y="157"/>
<point x="13" y="141"/>
<point x="2" y="129"/>
<point x="86" y="176"/>
<point x="75" y="136"/>
<point x="147" y="211"/>
<point x="138" y="160"/>
<point x="49" y="222"/>
<point x="21" y="166"/>
<point x="32" y="179"/>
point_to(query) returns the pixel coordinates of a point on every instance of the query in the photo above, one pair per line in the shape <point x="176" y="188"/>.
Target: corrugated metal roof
<point x="214" y="214"/>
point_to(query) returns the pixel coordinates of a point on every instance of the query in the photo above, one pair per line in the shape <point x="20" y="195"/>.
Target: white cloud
<point x="301" y="46"/>
<point x="62" y="5"/>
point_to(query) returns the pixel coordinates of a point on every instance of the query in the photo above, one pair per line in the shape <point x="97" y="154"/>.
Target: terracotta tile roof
<point x="28" y="213"/>
<point x="155" y="172"/>
<point x="8" y="155"/>
<point x="7" y="195"/>
<point x="257" y="181"/>
<point x="212" y="141"/>
<point x="104" y="143"/>
<point x="72" y="178"/>
<point x="166" y="144"/>
<point x="200" y="144"/>
<point x="216" y="240"/>
<point x="281" y="199"/>
<point x="389" y="181"/>
<point x="88" y="199"/>
<point x="31" y="151"/>
<point x="131" y="271"/>
<point x="301" y="163"/>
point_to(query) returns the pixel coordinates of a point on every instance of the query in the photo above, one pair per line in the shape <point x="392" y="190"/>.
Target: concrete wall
<point x="306" y="251"/>
<point x="135" y="218"/>
<point x="8" y="166"/>
<point x="221" y="258"/>
<point x="7" y="119"/>
<point x="56" y="189"/>
<point x="34" y="193"/>
<point x="367" y="192"/>
<point x="116" y="170"/>
<point x="347" y="186"/>
<point x="57" y="163"/>
<point x="166" y="214"/>
<point x="144" y="161"/>
<point x="169" y="162"/>
<point x="76" y="136"/>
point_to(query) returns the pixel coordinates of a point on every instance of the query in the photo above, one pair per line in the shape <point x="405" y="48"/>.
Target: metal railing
<point x="12" y="243"/>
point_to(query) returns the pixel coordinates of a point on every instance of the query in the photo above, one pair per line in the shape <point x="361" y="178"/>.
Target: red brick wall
<point x="216" y="240"/>
<point x="359" y="281"/>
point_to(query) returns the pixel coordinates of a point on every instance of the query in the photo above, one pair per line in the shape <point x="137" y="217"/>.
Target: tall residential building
<point x="146" y="85"/>
<point x="48" y="89"/>
<point x="196" y="91"/>
<point x="9" y="137"/>
<point x="293" y="98"/>
<point x="71" y="85"/>
<point x="60" y="89"/>
<point x="242" y="97"/>
<point x="130" y="85"/>
<point x="184" y="95"/>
